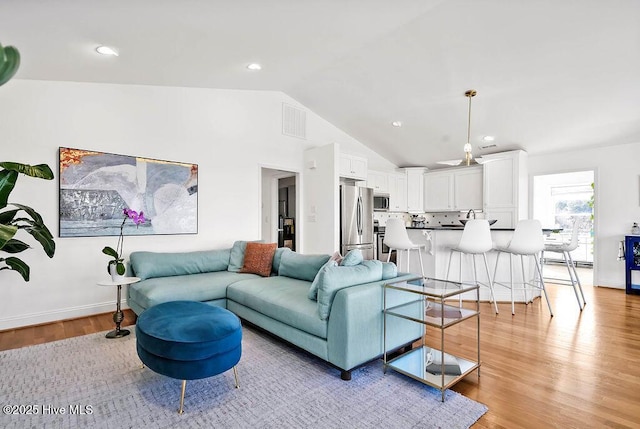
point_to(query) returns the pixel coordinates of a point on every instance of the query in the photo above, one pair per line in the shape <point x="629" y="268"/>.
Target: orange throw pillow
<point x="258" y="258"/>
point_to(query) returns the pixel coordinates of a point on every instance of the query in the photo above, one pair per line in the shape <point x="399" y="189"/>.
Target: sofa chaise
<point x="331" y="310"/>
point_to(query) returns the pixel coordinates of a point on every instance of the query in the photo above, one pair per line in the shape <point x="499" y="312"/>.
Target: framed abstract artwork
<point x="95" y="188"/>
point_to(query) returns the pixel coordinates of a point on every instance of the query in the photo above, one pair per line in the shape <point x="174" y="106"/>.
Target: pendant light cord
<point x="467" y="147"/>
<point x="469" y="122"/>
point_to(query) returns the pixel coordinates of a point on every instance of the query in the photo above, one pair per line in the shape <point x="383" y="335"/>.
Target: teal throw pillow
<point x="302" y="267"/>
<point x="332" y="279"/>
<point x="313" y="290"/>
<point x="389" y="270"/>
<point x="277" y="258"/>
<point x="147" y="265"/>
<point x="354" y="257"/>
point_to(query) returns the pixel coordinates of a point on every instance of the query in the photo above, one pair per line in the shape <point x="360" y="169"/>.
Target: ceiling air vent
<point x="488" y="146"/>
<point x="294" y="121"/>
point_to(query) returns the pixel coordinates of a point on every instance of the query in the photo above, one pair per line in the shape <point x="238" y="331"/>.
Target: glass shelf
<point x="413" y="364"/>
<point x="433" y="288"/>
<point x="436" y="314"/>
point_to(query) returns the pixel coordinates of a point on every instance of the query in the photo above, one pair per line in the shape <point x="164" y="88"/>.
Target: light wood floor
<point x="575" y="370"/>
<point x="16" y="338"/>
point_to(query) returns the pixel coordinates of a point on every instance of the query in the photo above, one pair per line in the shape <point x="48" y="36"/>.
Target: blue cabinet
<point x="632" y="262"/>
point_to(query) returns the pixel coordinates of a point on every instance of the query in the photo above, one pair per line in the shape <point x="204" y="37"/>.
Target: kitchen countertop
<point x="453" y="228"/>
<point x="436" y="259"/>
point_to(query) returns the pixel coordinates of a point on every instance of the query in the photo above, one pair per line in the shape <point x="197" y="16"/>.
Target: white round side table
<point x="118" y="316"/>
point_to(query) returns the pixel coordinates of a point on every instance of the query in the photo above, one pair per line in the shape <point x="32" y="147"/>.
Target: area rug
<point x="91" y="381"/>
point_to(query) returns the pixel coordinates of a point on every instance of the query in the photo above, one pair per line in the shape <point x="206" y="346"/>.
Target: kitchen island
<point x="436" y="258"/>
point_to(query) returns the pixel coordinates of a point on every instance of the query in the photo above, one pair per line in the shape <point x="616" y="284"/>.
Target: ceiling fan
<point x="468" y="156"/>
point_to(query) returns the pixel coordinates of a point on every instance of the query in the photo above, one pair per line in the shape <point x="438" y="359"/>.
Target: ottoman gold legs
<point x="184" y="388"/>
<point x="235" y="374"/>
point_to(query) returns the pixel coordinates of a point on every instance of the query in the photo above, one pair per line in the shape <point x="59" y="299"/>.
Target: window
<point x="571" y="201"/>
<point x="558" y="199"/>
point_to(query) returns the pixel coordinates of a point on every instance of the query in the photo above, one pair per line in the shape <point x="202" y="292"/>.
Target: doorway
<point x="558" y="201"/>
<point x="287" y="212"/>
<point x="280" y="196"/>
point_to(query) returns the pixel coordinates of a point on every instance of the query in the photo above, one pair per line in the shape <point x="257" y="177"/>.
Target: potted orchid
<point x="116" y="267"/>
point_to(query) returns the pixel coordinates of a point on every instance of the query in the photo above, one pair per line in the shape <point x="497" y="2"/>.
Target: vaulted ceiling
<point x="551" y="75"/>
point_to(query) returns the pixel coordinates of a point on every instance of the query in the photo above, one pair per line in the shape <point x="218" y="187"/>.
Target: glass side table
<point x="118" y="317"/>
<point x="422" y="300"/>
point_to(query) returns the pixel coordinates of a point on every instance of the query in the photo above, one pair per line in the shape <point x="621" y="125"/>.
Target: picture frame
<point x="95" y="188"/>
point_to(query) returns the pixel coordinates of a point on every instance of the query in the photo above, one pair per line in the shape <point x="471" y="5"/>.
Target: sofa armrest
<point x="355" y="326"/>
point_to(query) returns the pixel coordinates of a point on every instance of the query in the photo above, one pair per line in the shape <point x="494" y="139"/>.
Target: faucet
<point x="471" y="212"/>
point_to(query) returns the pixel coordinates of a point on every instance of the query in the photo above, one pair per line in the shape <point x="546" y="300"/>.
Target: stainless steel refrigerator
<point x="356" y="220"/>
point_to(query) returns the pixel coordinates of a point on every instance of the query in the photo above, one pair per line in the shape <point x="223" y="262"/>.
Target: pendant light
<point x="468" y="156"/>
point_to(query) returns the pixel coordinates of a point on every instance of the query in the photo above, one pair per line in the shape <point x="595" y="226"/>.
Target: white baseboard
<point x="57" y="314"/>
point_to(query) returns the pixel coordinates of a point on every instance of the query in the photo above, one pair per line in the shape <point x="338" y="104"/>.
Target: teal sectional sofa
<point x="332" y="311"/>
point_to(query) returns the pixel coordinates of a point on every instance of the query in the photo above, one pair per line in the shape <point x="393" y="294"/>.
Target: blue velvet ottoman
<point x="189" y="340"/>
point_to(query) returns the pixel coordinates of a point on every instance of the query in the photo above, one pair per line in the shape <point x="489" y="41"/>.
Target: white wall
<point x="320" y="127"/>
<point x="268" y="189"/>
<point x="617" y="199"/>
<point x="230" y="134"/>
<point x="320" y="195"/>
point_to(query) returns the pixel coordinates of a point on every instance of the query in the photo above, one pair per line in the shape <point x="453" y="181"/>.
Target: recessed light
<point x="396" y="123"/>
<point x="106" y="50"/>
<point x="488" y="138"/>
<point x="254" y="66"/>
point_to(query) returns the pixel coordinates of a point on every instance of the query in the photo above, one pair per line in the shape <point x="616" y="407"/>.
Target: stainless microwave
<point x="381" y="203"/>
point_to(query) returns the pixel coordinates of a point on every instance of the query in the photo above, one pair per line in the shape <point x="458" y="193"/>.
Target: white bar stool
<point x="527" y="240"/>
<point x="475" y="240"/>
<point x="396" y="237"/>
<point x="565" y="249"/>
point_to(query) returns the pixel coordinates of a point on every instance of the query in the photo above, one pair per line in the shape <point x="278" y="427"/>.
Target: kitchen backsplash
<point x="382" y="217"/>
<point x="447" y="218"/>
<point x="430" y="219"/>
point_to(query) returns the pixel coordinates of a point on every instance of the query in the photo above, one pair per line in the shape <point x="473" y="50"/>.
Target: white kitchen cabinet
<point x="415" y="189"/>
<point x="467" y="188"/>
<point x="506" y="187"/>
<point x="505" y="218"/>
<point x="397" y="192"/>
<point x="455" y="189"/>
<point x="379" y="181"/>
<point x="353" y="167"/>
<point x="438" y="191"/>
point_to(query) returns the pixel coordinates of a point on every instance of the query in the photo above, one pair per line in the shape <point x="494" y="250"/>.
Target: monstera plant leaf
<point x="9" y="63"/>
<point x="17" y="265"/>
<point x="41" y="171"/>
<point x="9" y="175"/>
<point x="16" y="217"/>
